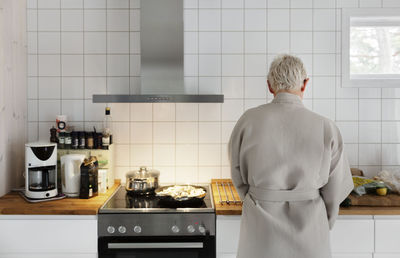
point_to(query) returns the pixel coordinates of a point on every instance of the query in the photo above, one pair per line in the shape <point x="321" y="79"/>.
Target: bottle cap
<point x="108" y="110"/>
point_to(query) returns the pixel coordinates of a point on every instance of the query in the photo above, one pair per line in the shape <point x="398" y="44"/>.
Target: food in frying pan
<point x="182" y="191"/>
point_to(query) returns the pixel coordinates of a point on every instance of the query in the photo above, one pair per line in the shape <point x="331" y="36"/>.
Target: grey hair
<point x="286" y="72"/>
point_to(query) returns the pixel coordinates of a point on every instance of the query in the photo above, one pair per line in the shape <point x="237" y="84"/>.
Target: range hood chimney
<point x="162" y="65"/>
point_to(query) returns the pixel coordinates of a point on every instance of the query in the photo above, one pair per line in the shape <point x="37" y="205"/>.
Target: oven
<point x="156" y="247"/>
<point x="156" y="232"/>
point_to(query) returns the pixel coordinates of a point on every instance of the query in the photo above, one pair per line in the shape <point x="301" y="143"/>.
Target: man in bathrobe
<point x="289" y="167"/>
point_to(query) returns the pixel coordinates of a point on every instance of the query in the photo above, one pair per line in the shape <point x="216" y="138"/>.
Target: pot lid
<point x="143" y="172"/>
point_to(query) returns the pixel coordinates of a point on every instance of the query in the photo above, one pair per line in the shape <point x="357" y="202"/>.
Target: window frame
<point x="371" y="80"/>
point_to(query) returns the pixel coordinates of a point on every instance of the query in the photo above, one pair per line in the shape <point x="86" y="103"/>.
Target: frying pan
<point x="167" y="200"/>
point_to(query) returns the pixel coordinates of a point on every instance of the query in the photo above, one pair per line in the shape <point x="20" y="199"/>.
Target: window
<point x="371" y="47"/>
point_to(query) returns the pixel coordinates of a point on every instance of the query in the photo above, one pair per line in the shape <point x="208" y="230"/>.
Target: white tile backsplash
<point x="48" y="20"/>
<point x="232" y="20"/>
<point x="209" y="20"/>
<point x="301" y="20"/>
<point x="72" y="43"/>
<point x="77" y="48"/>
<point x="72" y="20"/>
<point x="278" y="20"/>
<point x="48" y="42"/>
<point x="255" y="20"/>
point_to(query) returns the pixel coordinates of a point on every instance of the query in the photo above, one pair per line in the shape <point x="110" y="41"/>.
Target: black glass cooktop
<point x="125" y="202"/>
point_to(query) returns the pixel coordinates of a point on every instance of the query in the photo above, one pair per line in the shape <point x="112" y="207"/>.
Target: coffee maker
<point x="40" y="170"/>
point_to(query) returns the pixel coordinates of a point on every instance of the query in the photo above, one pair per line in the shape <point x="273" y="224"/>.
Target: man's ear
<point x="305" y="82"/>
<point x="270" y="88"/>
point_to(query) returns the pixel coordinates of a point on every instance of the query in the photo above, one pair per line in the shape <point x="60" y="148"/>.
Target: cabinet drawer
<point x="48" y="236"/>
<point x="351" y="255"/>
<point x="353" y="236"/>
<point x="387" y="236"/>
<point x="228" y="229"/>
<point x="387" y="255"/>
<point x="43" y="255"/>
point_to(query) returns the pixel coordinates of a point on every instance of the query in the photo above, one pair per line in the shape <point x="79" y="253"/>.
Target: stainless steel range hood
<point x="162" y="66"/>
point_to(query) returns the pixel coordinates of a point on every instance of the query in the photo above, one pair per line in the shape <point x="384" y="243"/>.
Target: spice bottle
<point x="74" y="140"/>
<point x="89" y="140"/>
<point x="107" y="129"/>
<point x="61" y="140"/>
<point x="68" y="140"/>
<point x="53" y="135"/>
<point x="81" y="140"/>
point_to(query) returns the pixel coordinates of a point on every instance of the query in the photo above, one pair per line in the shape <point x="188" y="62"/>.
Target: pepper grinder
<point x="53" y="135"/>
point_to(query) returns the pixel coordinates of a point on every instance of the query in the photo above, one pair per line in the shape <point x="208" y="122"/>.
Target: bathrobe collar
<point x="285" y="97"/>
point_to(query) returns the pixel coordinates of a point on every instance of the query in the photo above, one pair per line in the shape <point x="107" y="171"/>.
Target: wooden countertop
<point x="236" y="209"/>
<point x="13" y="204"/>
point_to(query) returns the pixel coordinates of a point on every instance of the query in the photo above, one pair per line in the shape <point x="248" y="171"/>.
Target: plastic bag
<point x="391" y="179"/>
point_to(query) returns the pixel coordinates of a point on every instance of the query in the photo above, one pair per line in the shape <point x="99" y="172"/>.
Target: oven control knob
<point x="110" y="229"/>
<point x="190" y="229"/>
<point x="122" y="229"/>
<point x="137" y="229"/>
<point x="202" y="229"/>
<point x="175" y="229"/>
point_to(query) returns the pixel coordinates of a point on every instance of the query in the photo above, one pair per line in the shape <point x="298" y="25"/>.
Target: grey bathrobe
<point x="290" y="170"/>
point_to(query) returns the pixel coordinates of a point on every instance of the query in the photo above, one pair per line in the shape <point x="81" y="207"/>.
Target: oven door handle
<point x="158" y="245"/>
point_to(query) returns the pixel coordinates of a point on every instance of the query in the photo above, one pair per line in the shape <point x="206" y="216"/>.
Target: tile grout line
<point x="220" y="121"/>
<point x="37" y="70"/>
<point x="198" y="82"/>
<point x="129" y="86"/>
<point x="61" y="59"/>
<point x="84" y="70"/>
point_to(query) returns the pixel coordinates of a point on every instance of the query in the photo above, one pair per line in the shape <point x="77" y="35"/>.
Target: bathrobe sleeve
<point x="238" y="173"/>
<point x="340" y="182"/>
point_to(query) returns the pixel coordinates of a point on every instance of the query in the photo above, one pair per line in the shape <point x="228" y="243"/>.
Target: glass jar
<point x="68" y="140"/>
<point x="89" y="140"/>
<point x="61" y="140"/>
<point x="81" y="140"/>
<point x="74" y="140"/>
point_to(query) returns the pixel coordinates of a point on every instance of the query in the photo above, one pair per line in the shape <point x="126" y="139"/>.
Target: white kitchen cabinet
<point x="228" y="228"/>
<point x="387" y="235"/>
<point x="56" y="236"/>
<point x="352" y="237"/>
<point x="353" y="234"/>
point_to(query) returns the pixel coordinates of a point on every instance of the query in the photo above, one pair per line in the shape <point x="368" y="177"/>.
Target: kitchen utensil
<point x="142" y="181"/>
<point x="171" y="202"/>
<point x="41" y="170"/>
<point x="71" y="174"/>
<point x="61" y="122"/>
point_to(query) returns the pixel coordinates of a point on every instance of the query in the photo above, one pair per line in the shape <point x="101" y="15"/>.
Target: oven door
<point x="156" y="247"/>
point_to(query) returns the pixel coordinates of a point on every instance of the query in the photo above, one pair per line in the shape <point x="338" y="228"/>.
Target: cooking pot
<point x="142" y="181"/>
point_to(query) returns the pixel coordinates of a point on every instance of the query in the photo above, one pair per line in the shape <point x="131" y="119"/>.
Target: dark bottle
<point x="74" y="140"/>
<point x="61" y="140"/>
<point x="89" y="140"/>
<point x="67" y="141"/>
<point x="53" y="135"/>
<point x="89" y="178"/>
<point x="81" y="136"/>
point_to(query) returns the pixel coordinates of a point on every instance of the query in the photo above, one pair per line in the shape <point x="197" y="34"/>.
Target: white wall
<point x="81" y="47"/>
<point x="12" y="92"/>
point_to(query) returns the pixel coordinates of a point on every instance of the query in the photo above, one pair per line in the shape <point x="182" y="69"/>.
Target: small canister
<point x="89" y="140"/>
<point x="68" y="140"/>
<point x="61" y="140"/>
<point x="81" y="136"/>
<point x="99" y="140"/>
<point x="74" y="140"/>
